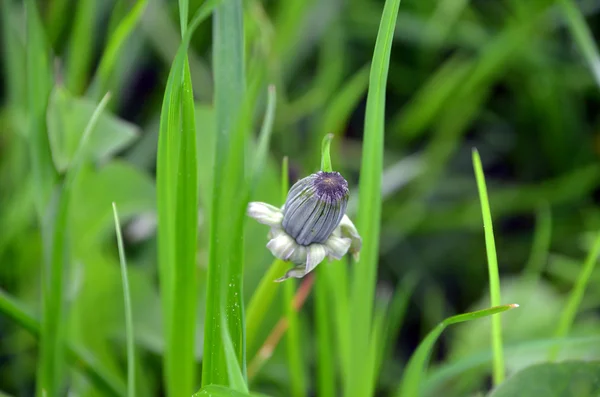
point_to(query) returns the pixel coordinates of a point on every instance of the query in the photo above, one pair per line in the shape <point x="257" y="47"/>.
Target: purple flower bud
<point x="315" y="206"/>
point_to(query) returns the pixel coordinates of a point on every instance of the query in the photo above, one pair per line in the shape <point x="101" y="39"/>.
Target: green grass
<point x="224" y="288"/>
<point x="369" y="211"/>
<point x="115" y="44"/>
<point x="583" y="36"/>
<point x="494" y="274"/>
<point x="128" y="314"/>
<point x="177" y="209"/>
<point x="571" y="308"/>
<point x="81" y="44"/>
<point x="201" y="112"/>
<point x="411" y="379"/>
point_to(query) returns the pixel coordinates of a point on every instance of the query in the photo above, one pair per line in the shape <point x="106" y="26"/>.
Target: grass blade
<point x="236" y="379"/>
<point x="81" y="46"/>
<point x="177" y="217"/>
<point x="13" y="56"/>
<point x="57" y="257"/>
<point x="325" y="368"/>
<point x="583" y="36"/>
<point x="294" y="354"/>
<point x="498" y="363"/>
<point x="115" y="43"/>
<point x="369" y="212"/>
<point x="39" y="85"/>
<point x="222" y="391"/>
<point x="185" y="292"/>
<point x="568" y="315"/>
<point x="411" y="379"/>
<point x="262" y="298"/>
<point x="226" y="240"/>
<point x="128" y="314"/>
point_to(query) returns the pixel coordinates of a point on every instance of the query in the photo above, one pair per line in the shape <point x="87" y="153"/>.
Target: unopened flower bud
<point x="314" y="207"/>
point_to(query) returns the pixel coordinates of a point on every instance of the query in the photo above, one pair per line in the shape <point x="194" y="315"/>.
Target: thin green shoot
<point x="494" y="276"/>
<point x="567" y="316"/>
<point x="128" y="313"/>
<point x="410" y="385"/>
<point x="264" y="137"/>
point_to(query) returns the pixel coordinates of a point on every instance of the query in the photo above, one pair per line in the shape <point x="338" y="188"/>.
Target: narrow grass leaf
<point x="183" y="16"/>
<point x="344" y="102"/>
<point x="185" y="292"/>
<point x="337" y="278"/>
<point x="128" y="314"/>
<point x="397" y="312"/>
<point x="39" y="85"/>
<point x="224" y="288"/>
<point x="369" y="212"/>
<point x="568" y="314"/>
<point x="56" y="19"/>
<point x="114" y="46"/>
<point x="237" y="380"/>
<point x="55" y="235"/>
<point x="296" y="367"/>
<point x="264" y="137"/>
<point x="222" y="391"/>
<point x="177" y="217"/>
<point x="81" y="46"/>
<point x="325" y="367"/>
<point x="262" y="298"/>
<point x="410" y="385"/>
<point x="583" y="36"/>
<point x="13" y="57"/>
<point x="494" y="276"/>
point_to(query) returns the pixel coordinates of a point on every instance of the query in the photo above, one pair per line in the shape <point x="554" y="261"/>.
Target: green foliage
<point x="494" y="274"/>
<point x="369" y="211"/>
<point x="224" y="288"/>
<point x="571" y="378"/>
<point x="66" y="121"/>
<point x="192" y="133"/>
<point x="128" y="314"/>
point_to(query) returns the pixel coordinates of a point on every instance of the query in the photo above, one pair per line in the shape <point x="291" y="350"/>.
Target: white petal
<point x="299" y="255"/>
<point x="282" y="246"/>
<point x="337" y="247"/>
<point x="296" y="272"/>
<point x="265" y="213"/>
<point x="349" y="230"/>
<point x="316" y="254"/>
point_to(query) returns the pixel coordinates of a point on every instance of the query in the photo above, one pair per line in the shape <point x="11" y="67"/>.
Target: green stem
<point x="325" y="157"/>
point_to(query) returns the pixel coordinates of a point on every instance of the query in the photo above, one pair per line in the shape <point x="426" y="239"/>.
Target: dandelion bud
<point x="315" y="206"/>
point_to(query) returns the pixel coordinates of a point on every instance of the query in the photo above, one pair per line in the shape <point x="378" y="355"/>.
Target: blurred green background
<point x="508" y="77"/>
